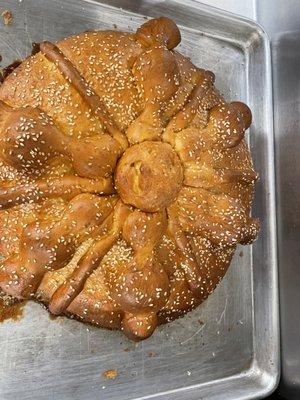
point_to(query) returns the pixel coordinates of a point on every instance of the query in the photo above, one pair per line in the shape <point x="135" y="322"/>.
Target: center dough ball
<point x="149" y="176"/>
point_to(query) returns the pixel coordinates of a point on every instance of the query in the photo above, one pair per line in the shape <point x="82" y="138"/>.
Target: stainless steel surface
<point x="282" y="21"/>
<point x="246" y="8"/>
<point x="286" y="58"/>
<point x="227" y="348"/>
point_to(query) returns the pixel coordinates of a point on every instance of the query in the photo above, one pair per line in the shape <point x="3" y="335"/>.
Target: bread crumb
<point x="110" y="374"/>
<point x="7" y="17"/>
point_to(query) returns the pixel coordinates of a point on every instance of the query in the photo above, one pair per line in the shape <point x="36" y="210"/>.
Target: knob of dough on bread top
<point x="159" y="31"/>
<point x="149" y="176"/>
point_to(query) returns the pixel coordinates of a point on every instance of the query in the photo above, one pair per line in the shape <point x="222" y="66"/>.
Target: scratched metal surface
<point x="228" y="347"/>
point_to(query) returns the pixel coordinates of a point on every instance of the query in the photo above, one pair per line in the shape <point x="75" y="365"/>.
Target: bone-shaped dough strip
<point x="66" y="186"/>
<point x="70" y="72"/>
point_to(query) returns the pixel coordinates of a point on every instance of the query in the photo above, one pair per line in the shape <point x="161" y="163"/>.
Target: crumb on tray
<point x="110" y="374"/>
<point x="127" y="349"/>
<point x="7" y="17"/>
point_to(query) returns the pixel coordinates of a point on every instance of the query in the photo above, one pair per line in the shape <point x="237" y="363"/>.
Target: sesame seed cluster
<point x="125" y="180"/>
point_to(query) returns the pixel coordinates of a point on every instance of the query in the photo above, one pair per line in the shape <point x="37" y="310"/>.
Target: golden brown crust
<point x="124" y="238"/>
<point x="159" y="31"/>
<point x="143" y="183"/>
<point x="92" y="100"/>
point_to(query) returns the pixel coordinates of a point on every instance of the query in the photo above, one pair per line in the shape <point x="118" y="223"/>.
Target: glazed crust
<point x="126" y="183"/>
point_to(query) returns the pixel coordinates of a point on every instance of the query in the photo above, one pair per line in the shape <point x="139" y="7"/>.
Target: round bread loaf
<point x="126" y="183"/>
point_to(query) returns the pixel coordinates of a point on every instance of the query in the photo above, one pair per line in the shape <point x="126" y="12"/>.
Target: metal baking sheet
<point x="228" y="347"/>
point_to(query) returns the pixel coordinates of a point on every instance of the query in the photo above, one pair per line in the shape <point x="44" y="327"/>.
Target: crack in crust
<point x="125" y="180"/>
